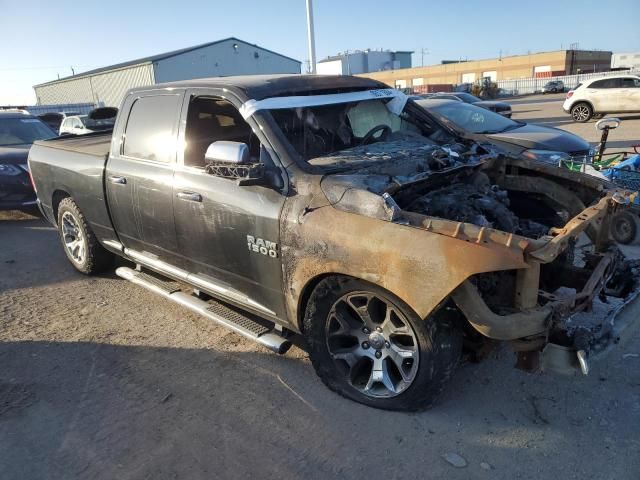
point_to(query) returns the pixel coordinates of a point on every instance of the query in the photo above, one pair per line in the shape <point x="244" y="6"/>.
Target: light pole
<point x="311" y="37"/>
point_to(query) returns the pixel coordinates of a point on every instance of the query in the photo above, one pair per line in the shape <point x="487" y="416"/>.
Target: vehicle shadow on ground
<point x="90" y="410"/>
<point x="26" y="245"/>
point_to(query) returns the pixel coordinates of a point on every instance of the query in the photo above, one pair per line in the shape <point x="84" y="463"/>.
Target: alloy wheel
<point x="73" y="238"/>
<point x="373" y="344"/>
<point x="580" y="113"/>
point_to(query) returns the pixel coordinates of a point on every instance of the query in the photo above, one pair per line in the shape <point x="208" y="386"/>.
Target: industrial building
<point x="364" y="61"/>
<point x="545" y="64"/>
<point x="625" y="61"/>
<point x="108" y="85"/>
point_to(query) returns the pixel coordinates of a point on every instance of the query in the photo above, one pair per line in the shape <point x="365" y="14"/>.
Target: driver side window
<point x="212" y="119"/>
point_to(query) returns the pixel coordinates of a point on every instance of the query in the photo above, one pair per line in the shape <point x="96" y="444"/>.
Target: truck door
<point x="227" y="234"/>
<point x="139" y="173"/>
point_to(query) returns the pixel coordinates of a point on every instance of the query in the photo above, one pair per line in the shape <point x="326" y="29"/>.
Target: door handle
<point x="190" y="196"/>
<point x="118" y="180"/>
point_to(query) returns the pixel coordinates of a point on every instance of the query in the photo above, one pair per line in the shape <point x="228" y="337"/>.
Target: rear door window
<point x="630" y="83"/>
<point x="151" y="132"/>
<point x="606" y="83"/>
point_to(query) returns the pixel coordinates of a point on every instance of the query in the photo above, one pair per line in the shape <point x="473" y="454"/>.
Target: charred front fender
<point x="419" y="265"/>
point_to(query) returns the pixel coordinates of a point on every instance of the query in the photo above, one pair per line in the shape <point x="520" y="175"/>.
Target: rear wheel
<point x="581" y="112"/>
<point x="80" y="244"/>
<point x="369" y="346"/>
<point x="624" y="228"/>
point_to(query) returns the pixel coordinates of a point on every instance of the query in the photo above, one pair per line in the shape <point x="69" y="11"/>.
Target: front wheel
<point x="581" y="112"/>
<point x="369" y="346"/>
<point x="80" y="244"/>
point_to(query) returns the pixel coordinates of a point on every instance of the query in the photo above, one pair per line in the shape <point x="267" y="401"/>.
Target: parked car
<point x="98" y="119"/>
<point x="54" y="119"/>
<point x="75" y="125"/>
<point x="554" y="86"/>
<point x="545" y="144"/>
<point x="501" y="108"/>
<point x="599" y="96"/>
<point x="18" y="130"/>
<point x="332" y="207"/>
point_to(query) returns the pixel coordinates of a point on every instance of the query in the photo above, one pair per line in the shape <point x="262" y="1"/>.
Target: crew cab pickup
<point x="337" y="209"/>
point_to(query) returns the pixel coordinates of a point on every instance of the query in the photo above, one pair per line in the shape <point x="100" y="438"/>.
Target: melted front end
<point x="556" y="220"/>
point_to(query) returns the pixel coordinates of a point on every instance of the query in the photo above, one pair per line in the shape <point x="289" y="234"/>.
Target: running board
<point x="213" y="310"/>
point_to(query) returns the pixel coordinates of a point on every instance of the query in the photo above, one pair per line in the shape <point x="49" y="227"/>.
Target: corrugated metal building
<point x="540" y="65"/>
<point x="108" y="85"/>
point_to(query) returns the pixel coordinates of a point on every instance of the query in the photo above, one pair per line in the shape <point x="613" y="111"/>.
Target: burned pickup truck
<point x="336" y="209"/>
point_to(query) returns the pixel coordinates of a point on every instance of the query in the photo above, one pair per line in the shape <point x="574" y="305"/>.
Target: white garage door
<point x="468" y="77"/>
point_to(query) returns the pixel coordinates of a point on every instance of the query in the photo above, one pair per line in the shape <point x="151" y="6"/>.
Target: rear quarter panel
<point x="78" y="175"/>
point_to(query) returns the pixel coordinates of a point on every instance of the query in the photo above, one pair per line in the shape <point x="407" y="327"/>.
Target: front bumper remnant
<point x="544" y="329"/>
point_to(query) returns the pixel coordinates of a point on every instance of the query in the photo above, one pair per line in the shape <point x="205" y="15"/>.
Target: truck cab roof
<point x="259" y="87"/>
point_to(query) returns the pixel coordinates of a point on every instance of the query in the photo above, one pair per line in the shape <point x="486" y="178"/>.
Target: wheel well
<point x="306" y="295"/>
<point x="58" y="196"/>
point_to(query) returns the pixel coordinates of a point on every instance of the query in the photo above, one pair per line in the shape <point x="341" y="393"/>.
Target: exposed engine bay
<point x="477" y="202"/>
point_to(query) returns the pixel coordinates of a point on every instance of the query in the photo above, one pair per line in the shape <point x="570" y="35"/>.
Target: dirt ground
<point x="99" y="379"/>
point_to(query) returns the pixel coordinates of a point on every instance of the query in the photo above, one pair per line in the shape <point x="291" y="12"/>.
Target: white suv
<point x="598" y="96"/>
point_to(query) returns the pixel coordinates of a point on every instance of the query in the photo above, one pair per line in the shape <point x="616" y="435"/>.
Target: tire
<point x="581" y="112"/>
<point x="79" y="242"/>
<point x="344" y="345"/>
<point x="624" y="228"/>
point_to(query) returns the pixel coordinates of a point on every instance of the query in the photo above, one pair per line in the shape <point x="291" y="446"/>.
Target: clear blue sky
<point x="40" y="39"/>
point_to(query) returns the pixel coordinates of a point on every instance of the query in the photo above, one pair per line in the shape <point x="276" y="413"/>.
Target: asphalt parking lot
<point x="547" y="110"/>
<point x="101" y="379"/>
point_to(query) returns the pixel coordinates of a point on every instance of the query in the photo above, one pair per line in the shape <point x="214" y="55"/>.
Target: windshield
<point x="467" y="97"/>
<point x="23" y="131"/>
<point x="321" y="131"/>
<point x="470" y="118"/>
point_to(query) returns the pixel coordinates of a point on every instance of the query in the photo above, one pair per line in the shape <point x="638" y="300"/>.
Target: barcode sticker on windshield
<point x="29" y="120"/>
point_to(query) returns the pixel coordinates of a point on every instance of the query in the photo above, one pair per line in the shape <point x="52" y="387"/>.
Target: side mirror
<point x="609" y="123"/>
<point x="232" y="153"/>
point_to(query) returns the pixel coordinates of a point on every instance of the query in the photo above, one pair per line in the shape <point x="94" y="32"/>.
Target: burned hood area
<point x="458" y="182"/>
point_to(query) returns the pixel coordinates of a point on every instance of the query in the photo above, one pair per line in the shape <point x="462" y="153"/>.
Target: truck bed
<point x="96" y="144"/>
<point x="73" y="166"/>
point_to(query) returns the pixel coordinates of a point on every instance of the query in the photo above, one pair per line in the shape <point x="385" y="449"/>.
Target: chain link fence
<point x="524" y="86"/>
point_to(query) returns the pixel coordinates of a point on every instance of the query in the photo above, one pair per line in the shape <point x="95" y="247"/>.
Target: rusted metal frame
<point x="531" y="321"/>
<point x="596" y="282"/>
<point x="527" y="283"/>
<point x="499" y="327"/>
<point x="550" y="249"/>
<point x="467" y="231"/>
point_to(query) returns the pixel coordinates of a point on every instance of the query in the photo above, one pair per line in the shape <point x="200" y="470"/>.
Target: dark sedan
<point x="546" y="144"/>
<point x="18" y="130"/>
<point x="501" y="108"/>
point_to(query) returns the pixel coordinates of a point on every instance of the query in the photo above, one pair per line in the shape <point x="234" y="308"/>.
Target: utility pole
<point x="423" y="52"/>
<point x="311" y="37"/>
